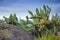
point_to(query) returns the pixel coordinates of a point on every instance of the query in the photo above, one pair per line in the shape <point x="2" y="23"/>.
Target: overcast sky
<point x="21" y="7"/>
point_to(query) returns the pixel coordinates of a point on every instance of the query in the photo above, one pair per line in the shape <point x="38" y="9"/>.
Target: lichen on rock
<point x="8" y="32"/>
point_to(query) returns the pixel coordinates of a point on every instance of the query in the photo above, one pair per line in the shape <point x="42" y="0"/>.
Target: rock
<point x="8" y="32"/>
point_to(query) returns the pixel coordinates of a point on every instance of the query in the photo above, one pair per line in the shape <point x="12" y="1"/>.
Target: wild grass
<point x="49" y="37"/>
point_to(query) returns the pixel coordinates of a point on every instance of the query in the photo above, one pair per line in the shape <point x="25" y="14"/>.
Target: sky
<point x="21" y="7"/>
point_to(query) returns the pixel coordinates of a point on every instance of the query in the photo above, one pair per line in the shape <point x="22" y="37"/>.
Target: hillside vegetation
<point x="41" y="26"/>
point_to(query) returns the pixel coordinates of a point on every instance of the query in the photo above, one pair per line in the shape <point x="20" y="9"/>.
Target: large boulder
<point x="10" y="32"/>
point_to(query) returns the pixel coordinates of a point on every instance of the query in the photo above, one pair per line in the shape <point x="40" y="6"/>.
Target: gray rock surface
<point x="8" y="32"/>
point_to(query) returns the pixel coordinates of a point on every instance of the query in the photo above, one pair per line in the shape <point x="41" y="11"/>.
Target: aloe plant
<point x="12" y="19"/>
<point x="55" y="20"/>
<point x="41" y="17"/>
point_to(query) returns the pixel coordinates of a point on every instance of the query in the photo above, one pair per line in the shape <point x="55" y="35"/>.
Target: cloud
<point x="4" y="9"/>
<point x="21" y="7"/>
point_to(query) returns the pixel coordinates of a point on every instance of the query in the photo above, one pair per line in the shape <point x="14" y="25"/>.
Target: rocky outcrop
<point x="9" y="32"/>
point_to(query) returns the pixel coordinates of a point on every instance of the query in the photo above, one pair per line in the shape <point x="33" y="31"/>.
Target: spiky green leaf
<point x="30" y="13"/>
